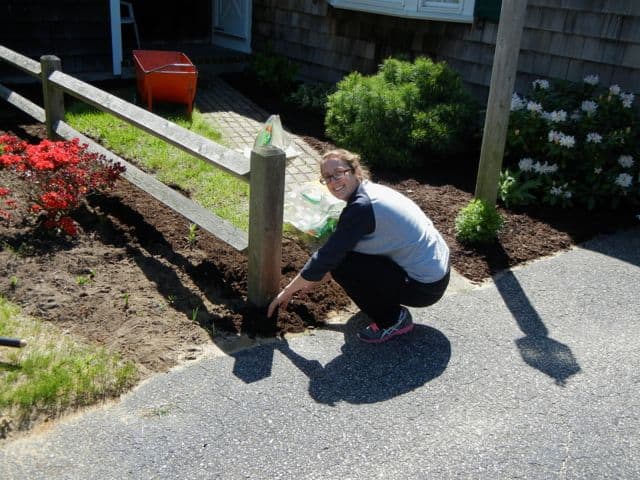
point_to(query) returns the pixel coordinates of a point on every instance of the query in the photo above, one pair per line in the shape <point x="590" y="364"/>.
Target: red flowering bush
<point x="60" y="174"/>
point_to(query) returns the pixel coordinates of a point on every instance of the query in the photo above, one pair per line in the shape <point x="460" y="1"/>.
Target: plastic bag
<point x="272" y="133"/>
<point x="311" y="209"/>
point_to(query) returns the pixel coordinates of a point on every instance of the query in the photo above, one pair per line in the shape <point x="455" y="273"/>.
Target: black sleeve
<point x="356" y="220"/>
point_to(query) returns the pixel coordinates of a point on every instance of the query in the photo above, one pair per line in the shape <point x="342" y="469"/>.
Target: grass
<point x="223" y="194"/>
<point x="54" y="372"/>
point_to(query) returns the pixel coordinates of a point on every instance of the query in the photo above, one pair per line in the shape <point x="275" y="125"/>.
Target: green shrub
<point x="478" y="223"/>
<point x="311" y="96"/>
<point x="274" y="72"/>
<point x="407" y="111"/>
<point x="573" y="144"/>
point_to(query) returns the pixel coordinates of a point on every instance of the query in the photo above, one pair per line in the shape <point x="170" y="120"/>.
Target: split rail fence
<point x="264" y="171"/>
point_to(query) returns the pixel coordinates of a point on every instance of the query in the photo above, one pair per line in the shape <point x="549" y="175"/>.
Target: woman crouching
<point x="385" y="253"/>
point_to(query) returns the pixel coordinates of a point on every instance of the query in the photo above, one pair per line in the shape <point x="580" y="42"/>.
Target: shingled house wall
<point x="565" y="39"/>
<point x="78" y="32"/>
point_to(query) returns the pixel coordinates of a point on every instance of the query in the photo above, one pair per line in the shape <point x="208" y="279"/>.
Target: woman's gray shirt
<point x="377" y="220"/>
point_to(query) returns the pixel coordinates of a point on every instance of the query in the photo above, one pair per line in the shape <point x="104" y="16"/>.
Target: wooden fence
<point x="264" y="171"/>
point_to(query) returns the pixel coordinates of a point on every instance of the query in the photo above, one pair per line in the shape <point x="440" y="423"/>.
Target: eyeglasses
<point x="337" y="175"/>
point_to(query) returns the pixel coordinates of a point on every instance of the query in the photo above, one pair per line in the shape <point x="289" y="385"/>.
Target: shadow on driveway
<point x="545" y="354"/>
<point x="362" y="373"/>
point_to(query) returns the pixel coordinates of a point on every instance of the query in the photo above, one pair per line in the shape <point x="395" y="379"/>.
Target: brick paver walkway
<point x="239" y="120"/>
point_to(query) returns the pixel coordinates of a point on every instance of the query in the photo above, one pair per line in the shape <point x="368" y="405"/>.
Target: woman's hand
<point x="283" y="298"/>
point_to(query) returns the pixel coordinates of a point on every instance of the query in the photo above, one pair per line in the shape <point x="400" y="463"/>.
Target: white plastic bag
<point x="272" y="133"/>
<point x="311" y="209"/>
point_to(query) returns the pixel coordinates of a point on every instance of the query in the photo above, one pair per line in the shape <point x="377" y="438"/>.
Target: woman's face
<point x="339" y="178"/>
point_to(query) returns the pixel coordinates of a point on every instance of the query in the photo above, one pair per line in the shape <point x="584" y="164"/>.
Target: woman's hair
<point x="350" y="158"/>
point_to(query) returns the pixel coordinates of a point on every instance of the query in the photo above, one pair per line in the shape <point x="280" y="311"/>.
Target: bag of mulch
<point x="311" y="209"/>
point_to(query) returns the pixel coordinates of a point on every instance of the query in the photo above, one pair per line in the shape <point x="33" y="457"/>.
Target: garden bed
<point x="158" y="298"/>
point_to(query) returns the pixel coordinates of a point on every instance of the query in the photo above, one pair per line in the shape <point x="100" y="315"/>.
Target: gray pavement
<point x="534" y="375"/>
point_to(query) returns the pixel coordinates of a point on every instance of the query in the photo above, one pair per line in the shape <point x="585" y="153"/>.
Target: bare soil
<point x="158" y="299"/>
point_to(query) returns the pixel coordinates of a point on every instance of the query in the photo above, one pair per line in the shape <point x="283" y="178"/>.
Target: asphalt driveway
<point x="534" y="376"/>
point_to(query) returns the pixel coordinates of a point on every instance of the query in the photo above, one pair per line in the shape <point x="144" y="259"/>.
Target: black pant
<point x="378" y="286"/>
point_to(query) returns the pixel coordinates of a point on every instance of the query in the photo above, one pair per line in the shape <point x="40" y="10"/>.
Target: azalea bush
<point x="572" y="144"/>
<point x="59" y="173"/>
<point x="274" y="72"/>
<point x="311" y="96"/>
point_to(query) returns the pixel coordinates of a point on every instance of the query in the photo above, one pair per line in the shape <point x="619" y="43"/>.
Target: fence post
<point x="503" y="77"/>
<point x="266" y="204"/>
<point x="53" y="96"/>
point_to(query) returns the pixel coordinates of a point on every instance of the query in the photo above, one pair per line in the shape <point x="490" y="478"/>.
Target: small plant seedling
<point x="23" y="250"/>
<point x="192" y="234"/>
<point x="125" y="297"/>
<point x="478" y="223"/>
<point x="194" y="314"/>
<point x="13" y="282"/>
<point x="82" y="280"/>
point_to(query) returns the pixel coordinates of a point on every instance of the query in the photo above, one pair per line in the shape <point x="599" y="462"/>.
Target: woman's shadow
<point x="367" y="373"/>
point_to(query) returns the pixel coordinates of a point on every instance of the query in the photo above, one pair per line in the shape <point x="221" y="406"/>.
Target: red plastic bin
<point x="165" y="76"/>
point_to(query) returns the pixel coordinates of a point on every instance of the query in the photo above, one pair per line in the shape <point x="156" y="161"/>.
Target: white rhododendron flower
<point x="534" y="107"/>
<point x="614" y="89"/>
<point x="560" y="191"/>
<point x="624" y="180"/>
<point x="626" y="161"/>
<point x="555" y="116"/>
<point x="597" y="170"/>
<point x="544" y="168"/>
<point x="567" y="141"/>
<point x="589" y="107"/>
<point x="542" y="84"/>
<point x="592" y="79"/>
<point x="526" y="164"/>
<point x="561" y="139"/>
<point x="594" y="137"/>
<point x="627" y="99"/>
<point x="517" y="103"/>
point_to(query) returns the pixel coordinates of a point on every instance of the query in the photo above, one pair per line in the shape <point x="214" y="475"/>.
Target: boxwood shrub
<point x="405" y="114"/>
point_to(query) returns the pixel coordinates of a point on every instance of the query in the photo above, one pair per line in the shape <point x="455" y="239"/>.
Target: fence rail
<point x="264" y="171"/>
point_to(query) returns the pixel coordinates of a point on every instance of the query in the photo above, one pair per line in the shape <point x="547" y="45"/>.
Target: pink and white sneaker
<point x="375" y="334"/>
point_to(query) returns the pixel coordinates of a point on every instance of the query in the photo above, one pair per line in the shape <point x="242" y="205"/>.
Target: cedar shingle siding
<point x="76" y="31"/>
<point x="562" y="39"/>
<point x="79" y="32"/>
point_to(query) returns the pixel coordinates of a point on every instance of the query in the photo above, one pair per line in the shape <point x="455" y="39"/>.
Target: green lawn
<point x="54" y="371"/>
<point x="223" y="194"/>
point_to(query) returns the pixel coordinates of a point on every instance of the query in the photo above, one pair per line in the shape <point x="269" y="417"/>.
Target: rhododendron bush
<point x="60" y="175"/>
<point x="572" y="144"/>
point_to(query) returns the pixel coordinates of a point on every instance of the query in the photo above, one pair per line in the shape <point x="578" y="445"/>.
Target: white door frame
<point x="233" y="42"/>
<point x="116" y="37"/>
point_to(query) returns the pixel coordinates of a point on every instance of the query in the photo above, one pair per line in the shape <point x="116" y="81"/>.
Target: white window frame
<point x="423" y="9"/>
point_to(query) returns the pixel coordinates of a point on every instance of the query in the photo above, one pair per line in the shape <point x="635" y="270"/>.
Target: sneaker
<point x="375" y="334"/>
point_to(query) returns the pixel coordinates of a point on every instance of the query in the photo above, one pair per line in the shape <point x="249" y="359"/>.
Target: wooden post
<point x="266" y="204"/>
<point x="503" y="75"/>
<point x="53" y="96"/>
